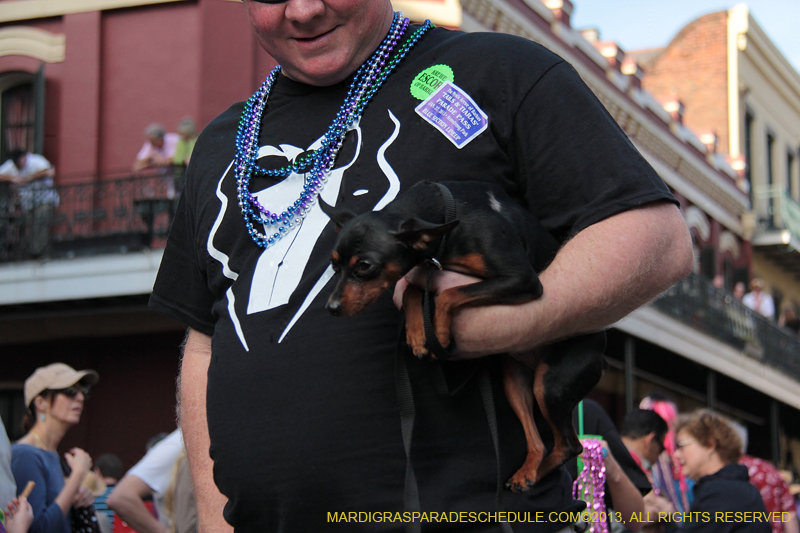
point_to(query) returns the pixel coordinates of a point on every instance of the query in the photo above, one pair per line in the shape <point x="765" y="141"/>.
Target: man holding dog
<point x="289" y="415"/>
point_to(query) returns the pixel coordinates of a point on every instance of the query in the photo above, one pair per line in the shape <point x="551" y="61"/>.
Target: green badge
<point x="427" y="81"/>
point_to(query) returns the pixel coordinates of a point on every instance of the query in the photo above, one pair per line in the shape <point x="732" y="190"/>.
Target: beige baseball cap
<point x="56" y="376"/>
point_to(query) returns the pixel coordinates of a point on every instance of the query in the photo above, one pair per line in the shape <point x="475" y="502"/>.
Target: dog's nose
<point x="334" y="307"/>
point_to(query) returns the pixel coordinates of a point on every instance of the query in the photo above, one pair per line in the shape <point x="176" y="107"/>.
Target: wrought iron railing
<point x="696" y="302"/>
<point x="778" y="210"/>
<point x="104" y="215"/>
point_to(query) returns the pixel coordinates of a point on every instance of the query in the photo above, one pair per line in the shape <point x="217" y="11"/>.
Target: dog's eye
<point x="363" y="267"/>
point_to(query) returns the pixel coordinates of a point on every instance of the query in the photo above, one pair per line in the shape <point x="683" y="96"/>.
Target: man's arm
<point x="792" y="526"/>
<point x="628" y="501"/>
<point x="142" y="164"/>
<point x="602" y="274"/>
<point x="46" y="173"/>
<point x="126" y="500"/>
<point x="194" y="378"/>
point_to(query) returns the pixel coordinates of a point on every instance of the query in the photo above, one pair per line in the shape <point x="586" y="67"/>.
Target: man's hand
<point x="654" y="504"/>
<point x="599" y="276"/>
<point x="440" y="281"/>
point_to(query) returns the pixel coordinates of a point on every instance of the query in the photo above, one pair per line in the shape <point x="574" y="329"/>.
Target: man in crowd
<point x="107" y="467"/>
<point x="643" y="433"/>
<point x="290" y="414"/>
<point x="158" y="149"/>
<point x="151" y="476"/>
<point x="758" y="300"/>
<point x="32" y="176"/>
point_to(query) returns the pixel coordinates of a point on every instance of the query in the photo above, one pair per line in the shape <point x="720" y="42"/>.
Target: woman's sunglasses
<point x="71" y="392"/>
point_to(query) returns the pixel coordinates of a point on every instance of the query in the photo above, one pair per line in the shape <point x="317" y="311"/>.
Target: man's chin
<point x="321" y="71"/>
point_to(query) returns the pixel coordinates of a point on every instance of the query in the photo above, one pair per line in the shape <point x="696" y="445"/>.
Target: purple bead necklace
<point x="590" y="485"/>
<point x="318" y="164"/>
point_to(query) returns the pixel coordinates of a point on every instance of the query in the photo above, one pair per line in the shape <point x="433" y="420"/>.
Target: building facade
<point x="747" y="103"/>
<point x="79" y="82"/>
<point x="696" y="343"/>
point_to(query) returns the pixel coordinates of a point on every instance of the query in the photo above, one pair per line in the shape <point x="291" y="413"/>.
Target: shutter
<point x="38" y="97"/>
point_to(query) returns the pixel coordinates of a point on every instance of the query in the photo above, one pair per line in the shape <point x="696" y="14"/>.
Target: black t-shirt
<point x="302" y="407"/>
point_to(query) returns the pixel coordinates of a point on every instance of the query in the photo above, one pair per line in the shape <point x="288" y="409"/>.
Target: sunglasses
<point x="72" y="392"/>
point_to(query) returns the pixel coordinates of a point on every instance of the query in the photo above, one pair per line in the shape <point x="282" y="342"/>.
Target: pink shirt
<point x="166" y="151"/>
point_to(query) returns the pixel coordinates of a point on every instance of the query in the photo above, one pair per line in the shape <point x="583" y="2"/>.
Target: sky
<point x="638" y="24"/>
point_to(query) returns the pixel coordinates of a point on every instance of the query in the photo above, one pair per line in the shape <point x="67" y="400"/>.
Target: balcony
<point x="98" y="217"/>
<point x="697" y="303"/>
<point x="777" y="233"/>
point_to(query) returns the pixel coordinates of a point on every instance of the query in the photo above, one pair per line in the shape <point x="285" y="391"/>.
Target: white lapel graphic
<point x="279" y="269"/>
<point x="391" y="193"/>
<point x="223" y="259"/>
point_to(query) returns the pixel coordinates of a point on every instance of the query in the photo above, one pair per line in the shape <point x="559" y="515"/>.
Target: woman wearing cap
<point x="54" y="397"/>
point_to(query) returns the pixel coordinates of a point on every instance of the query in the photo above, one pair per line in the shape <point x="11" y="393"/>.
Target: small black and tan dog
<point x="492" y="238"/>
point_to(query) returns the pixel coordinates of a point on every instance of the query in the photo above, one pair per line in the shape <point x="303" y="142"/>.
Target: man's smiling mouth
<point x="315" y="37"/>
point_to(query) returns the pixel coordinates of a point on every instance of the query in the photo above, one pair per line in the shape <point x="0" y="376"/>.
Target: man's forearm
<point x="142" y="164"/>
<point x="194" y="424"/>
<point x="627" y="499"/>
<point x="602" y="274"/>
<point x="792" y="525"/>
<point x="46" y="173"/>
<point x="126" y="501"/>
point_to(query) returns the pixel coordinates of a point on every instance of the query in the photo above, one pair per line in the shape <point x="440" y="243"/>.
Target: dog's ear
<point x="417" y="233"/>
<point x="339" y="216"/>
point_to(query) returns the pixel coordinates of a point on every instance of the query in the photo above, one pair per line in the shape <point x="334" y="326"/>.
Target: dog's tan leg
<point x="565" y="441"/>
<point x="415" y="327"/>
<point x="446" y="304"/>
<point x="518" y="385"/>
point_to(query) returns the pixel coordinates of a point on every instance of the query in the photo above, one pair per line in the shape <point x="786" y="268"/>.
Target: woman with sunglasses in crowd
<point x="54" y="397"/>
<point x="708" y="449"/>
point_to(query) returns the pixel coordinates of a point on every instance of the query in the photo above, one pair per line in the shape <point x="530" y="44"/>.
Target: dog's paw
<point x="422" y="353"/>
<point x="520" y="482"/>
<point x="417" y="344"/>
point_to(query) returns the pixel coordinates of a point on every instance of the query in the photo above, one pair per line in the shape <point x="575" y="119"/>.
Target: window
<point x="18" y="119"/>
<point x="21" y="112"/>
<point x="728" y="272"/>
<point x="770" y="159"/>
<point x="770" y="179"/>
<point x="748" y="152"/>
<point x="790" y="191"/>
<point x="708" y="262"/>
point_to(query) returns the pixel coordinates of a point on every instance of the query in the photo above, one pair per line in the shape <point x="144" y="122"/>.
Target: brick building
<point x="748" y="98"/>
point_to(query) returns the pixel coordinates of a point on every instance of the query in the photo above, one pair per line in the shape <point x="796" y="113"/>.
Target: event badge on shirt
<point x="453" y="112"/>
